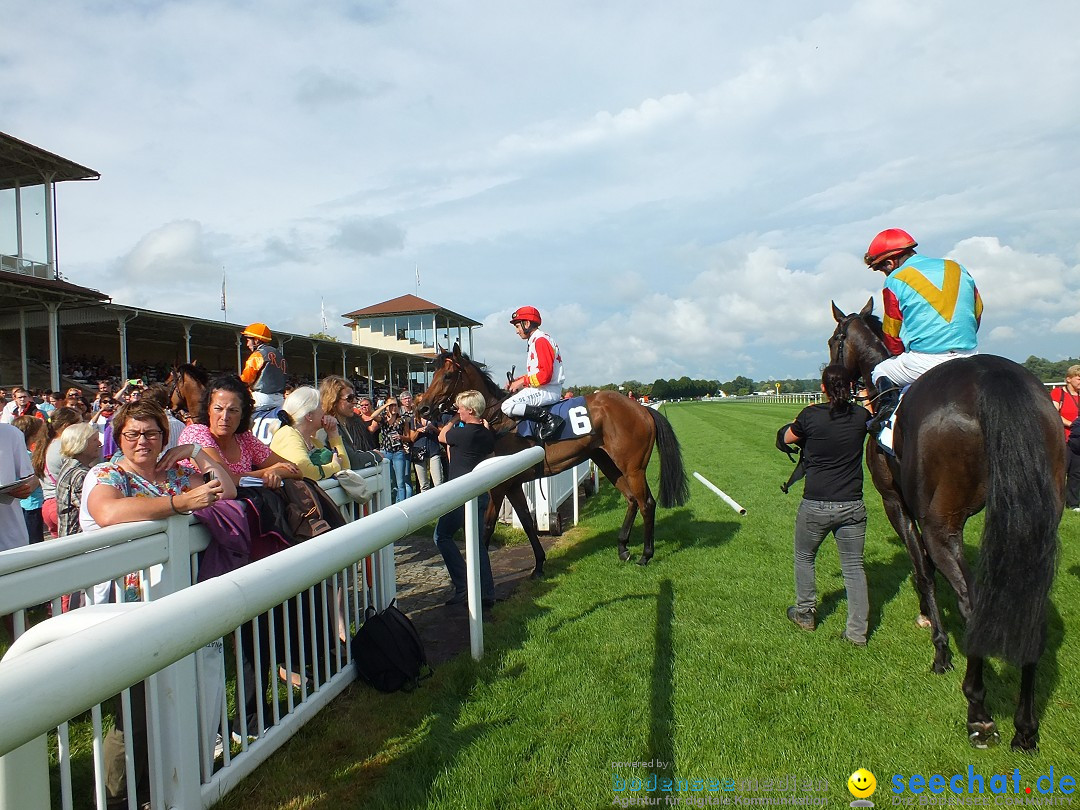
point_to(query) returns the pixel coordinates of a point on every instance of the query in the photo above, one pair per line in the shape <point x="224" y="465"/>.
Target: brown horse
<point x="186" y="384"/>
<point x="620" y="443"/>
<point x="973" y="432"/>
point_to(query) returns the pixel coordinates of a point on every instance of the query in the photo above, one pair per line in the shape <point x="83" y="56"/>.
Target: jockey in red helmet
<point x="543" y="379"/>
<point x="264" y="371"/>
<point x="932" y="314"/>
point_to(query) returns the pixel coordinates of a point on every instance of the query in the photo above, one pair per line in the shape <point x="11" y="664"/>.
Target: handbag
<point x="356" y="486"/>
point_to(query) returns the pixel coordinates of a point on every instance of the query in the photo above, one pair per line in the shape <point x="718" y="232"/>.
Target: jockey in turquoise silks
<point x="932" y="314"/>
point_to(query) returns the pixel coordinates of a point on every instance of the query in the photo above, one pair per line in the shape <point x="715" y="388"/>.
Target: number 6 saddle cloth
<point x="576" y="422"/>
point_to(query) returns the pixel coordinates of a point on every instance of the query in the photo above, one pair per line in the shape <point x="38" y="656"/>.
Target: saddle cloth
<point x="885" y="437"/>
<point x="576" y="421"/>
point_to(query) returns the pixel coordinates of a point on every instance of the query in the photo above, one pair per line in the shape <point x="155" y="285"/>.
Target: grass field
<point x="688" y="663"/>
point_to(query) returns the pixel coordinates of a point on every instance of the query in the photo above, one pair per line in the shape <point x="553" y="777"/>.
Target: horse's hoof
<point x="644" y="561"/>
<point x="942" y="665"/>
<point x="983" y="735"/>
<point x="538" y="573"/>
<point x="1026" y="743"/>
<point x="624" y="556"/>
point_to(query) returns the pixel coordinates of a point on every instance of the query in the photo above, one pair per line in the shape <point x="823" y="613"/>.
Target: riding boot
<point x="886" y="404"/>
<point x="547" y="423"/>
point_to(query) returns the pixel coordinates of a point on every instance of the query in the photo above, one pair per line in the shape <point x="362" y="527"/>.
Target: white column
<point x="315" y="362"/>
<point x="239" y="358"/>
<point x="187" y="342"/>
<point x="50" y="241"/>
<point x="344" y="365"/>
<point x="370" y="381"/>
<point x="22" y="349"/>
<point x="18" y="223"/>
<point x="121" y="327"/>
<point x="54" y="346"/>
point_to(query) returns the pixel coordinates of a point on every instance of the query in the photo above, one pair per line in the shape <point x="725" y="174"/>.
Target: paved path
<point x="423" y="587"/>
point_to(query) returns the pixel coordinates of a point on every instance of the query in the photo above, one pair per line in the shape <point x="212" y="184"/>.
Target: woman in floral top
<point x="142" y="484"/>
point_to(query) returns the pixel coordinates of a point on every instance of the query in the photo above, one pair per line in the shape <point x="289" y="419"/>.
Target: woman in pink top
<point x="222" y="428"/>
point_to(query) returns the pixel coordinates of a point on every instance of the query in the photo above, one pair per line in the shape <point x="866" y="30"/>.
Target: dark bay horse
<point x="620" y="444"/>
<point x="972" y="433"/>
<point x="186" y="384"/>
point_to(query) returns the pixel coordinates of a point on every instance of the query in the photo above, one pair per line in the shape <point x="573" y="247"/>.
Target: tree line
<point x="686" y="388"/>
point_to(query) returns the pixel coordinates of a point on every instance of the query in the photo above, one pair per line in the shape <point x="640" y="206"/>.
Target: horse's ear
<point x="836" y="313"/>
<point x="195" y="362"/>
<point x="457" y="349"/>
<point x="868" y="309"/>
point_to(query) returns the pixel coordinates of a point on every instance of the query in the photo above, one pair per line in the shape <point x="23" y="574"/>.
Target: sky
<point x="680" y="188"/>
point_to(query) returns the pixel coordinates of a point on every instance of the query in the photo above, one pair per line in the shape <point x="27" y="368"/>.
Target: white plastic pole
<point x="723" y="495"/>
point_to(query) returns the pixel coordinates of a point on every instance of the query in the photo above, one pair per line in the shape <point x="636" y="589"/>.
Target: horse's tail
<point x="1019" y="549"/>
<point x="674" y="488"/>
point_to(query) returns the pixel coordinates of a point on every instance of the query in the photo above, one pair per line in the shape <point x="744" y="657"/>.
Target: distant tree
<point x="324" y="336"/>
<point x="1049" y="370"/>
<point x="740" y="386"/>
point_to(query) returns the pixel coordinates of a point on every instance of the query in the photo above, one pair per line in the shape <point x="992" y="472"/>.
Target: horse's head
<point x="452" y="373"/>
<point x="856" y="343"/>
<point x="186" y="384"/>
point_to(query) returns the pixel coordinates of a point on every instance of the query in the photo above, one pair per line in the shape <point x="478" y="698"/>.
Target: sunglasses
<point x="350" y="398"/>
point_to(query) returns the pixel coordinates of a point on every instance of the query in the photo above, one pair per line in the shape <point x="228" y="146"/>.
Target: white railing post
<point x="176" y="725"/>
<point x="24" y="777"/>
<point x="472" y="577"/>
<point x="176" y="570"/>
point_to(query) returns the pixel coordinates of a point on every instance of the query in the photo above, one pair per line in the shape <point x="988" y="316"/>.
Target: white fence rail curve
<point x="159" y="638"/>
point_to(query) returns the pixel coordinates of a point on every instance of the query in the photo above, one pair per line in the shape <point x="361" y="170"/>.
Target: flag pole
<point x="224" y="304"/>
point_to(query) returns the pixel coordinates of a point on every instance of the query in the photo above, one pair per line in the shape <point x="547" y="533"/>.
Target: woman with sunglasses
<point x="339" y="400"/>
<point x="392" y="429"/>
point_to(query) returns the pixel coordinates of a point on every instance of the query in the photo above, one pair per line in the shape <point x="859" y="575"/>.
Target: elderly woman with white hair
<point x="80" y="449"/>
<point x="300" y="443"/>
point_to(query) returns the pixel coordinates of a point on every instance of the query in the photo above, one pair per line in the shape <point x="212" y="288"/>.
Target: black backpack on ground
<point x="388" y="652"/>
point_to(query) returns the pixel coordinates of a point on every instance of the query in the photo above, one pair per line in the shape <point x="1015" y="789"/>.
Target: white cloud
<point x="681" y="189"/>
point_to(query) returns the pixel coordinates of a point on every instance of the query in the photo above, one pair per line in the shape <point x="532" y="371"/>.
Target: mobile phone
<point x="209" y="476"/>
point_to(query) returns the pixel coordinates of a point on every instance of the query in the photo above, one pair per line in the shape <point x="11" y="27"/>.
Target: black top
<point x="469" y="445"/>
<point x="832" y="452"/>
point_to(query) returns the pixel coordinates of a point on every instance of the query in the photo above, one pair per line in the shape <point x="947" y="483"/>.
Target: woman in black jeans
<point x="832" y="436"/>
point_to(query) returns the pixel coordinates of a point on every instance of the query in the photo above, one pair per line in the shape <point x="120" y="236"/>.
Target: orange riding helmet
<point x="888" y="243"/>
<point x="526" y="314"/>
<point x="259" y="331"/>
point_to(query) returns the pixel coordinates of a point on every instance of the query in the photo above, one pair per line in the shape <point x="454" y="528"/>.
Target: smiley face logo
<point x="862" y="784"/>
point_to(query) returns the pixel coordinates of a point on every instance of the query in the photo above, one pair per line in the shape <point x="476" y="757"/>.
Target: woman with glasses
<point x="339" y="400"/>
<point x="143" y="484"/>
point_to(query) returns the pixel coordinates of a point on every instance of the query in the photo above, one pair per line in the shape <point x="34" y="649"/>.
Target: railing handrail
<point x="178" y="624"/>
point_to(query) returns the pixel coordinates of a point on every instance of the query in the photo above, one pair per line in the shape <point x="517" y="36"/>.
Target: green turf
<point x="689" y="662"/>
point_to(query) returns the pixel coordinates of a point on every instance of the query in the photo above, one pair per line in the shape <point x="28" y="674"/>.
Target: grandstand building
<point x="54" y="333"/>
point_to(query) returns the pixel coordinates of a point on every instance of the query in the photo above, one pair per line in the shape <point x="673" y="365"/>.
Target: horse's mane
<point x="874" y="322"/>
<point x="494" y="389"/>
<point x="198" y="373"/>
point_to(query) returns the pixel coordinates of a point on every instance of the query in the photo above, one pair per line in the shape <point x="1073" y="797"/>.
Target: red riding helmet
<point x="259" y="331"/>
<point x="525" y="314"/>
<point x="888" y="243"/>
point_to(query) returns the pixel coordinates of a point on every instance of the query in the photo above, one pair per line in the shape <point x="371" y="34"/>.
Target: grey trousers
<point x="847" y="521"/>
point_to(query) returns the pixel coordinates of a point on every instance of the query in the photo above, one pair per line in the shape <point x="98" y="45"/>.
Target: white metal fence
<point x="547" y="495"/>
<point x="287" y="615"/>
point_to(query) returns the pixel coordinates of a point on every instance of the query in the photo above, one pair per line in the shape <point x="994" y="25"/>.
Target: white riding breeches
<point x="904" y="369"/>
<point x="267" y="400"/>
<point x="515" y="404"/>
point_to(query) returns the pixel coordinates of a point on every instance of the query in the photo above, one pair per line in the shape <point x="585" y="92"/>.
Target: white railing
<point x="546" y="495"/>
<point x="157" y="642"/>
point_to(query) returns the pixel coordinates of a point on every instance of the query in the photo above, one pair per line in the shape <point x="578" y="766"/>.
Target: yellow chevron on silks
<point x="942" y="300"/>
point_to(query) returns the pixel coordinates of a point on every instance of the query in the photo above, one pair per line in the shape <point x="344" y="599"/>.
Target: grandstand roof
<point x="24" y="164"/>
<point x="18" y="290"/>
<point x="408" y="305"/>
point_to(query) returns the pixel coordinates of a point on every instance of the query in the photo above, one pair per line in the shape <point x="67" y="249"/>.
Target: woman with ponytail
<point x="832" y="435"/>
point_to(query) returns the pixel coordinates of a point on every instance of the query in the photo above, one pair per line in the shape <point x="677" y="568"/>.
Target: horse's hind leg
<point x="982" y="732"/>
<point x="517" y="499"/>
<point x="618" y="480"/>
<point x="924" y="571"/>
<point x="1026" y="721"/>
<point x="643" y="496"/>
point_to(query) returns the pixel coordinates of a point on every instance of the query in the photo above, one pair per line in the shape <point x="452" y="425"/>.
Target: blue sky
<point x="680" y="188"/>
